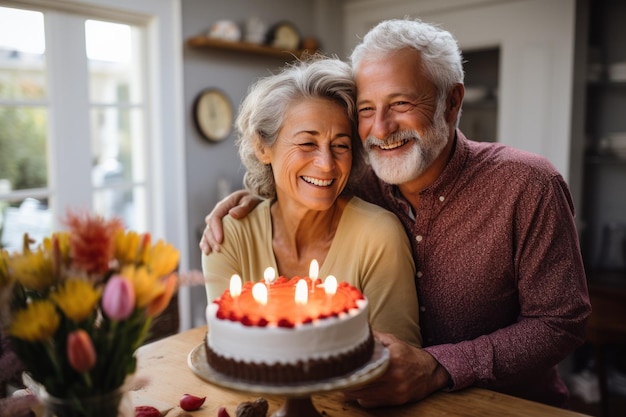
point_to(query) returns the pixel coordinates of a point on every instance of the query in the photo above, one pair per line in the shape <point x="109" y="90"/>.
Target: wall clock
<point x="213" y="114"/>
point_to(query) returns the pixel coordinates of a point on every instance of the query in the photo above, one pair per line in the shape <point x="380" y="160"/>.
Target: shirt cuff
<point x="453" y="360"/>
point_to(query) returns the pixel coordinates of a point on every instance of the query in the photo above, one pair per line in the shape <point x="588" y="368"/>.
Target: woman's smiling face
<point x="312" y="156"/>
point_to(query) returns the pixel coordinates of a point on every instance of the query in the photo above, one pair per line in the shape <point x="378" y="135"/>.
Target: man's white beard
<point x="415" y="158"/>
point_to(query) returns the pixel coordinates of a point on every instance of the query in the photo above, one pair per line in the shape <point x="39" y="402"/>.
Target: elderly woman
<point x="298" y="141"/>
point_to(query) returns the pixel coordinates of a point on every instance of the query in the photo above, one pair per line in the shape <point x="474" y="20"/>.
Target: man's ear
<point x="453" y="104"/>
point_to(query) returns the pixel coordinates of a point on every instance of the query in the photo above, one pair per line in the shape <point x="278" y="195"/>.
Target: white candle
<point x="235" y="286"/>
<point x="269" y="275"/>
<point x="301" y="297"/>
<point x="259" y="292"/>
<point x="314" y="270"/>
<point x="330" y="285"/>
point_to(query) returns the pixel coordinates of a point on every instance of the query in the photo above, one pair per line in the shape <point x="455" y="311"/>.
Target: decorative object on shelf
<point x="617" y="72"/>
<point x="475" y="94"/>
<point x="614" y="144"/>
<point x="213" y="114"/>
<point x="613" y="249"/>
<point x="255" y="30"/>
<point x="78" y="305"/>
<point x="310" y="44"/>
<point x="283" y="35"/>
<point x="226" y="30"/>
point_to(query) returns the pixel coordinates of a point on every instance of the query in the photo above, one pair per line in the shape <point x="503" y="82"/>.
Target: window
<point x="74" y="121"/>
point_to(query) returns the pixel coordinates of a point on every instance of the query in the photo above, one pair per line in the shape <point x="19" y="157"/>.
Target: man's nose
<point x="384" y="124"/>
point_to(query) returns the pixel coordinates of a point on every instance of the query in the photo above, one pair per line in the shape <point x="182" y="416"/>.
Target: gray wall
<point x="207" y="163"/>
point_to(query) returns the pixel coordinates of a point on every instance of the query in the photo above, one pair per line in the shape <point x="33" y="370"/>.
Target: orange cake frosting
<point x="284" y="341"/>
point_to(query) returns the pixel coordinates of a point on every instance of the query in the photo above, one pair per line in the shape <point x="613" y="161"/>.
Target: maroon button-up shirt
<point x="500" y="278"/>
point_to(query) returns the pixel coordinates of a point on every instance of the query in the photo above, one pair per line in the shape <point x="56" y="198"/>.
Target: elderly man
<point x="500" y="278"/>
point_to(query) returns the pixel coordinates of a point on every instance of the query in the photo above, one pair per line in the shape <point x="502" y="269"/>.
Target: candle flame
<point x="314" y="270"/>
<point x="235" y="285"/>
<point x="301" y="296"/>
<point x="269" y="274"/>
<point x="330" y="285"/>
<point x="259" y="292"/>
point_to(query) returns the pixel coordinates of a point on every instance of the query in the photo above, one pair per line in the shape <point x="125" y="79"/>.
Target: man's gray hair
<point x="441" y="56"/>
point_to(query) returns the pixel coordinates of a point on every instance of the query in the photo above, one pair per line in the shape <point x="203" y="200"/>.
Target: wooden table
<point x="163" y="366"/>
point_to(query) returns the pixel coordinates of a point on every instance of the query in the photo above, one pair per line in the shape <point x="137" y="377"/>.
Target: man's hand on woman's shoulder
<point x="238" y="205"/>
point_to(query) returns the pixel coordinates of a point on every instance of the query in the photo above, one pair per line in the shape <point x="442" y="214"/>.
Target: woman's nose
<point x="325" y="159"/>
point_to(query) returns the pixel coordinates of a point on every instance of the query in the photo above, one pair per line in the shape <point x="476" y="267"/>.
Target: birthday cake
<point x="282" y="339"/>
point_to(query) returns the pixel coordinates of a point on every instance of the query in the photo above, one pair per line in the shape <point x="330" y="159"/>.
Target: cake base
<point x="371" y="370"/>
<point x="285" y="373"/>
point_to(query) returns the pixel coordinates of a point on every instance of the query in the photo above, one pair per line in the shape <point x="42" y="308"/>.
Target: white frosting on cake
<point x="271" y="344"/>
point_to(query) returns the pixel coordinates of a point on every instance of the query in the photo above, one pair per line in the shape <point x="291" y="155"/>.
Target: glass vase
<point x="113" y="404"/>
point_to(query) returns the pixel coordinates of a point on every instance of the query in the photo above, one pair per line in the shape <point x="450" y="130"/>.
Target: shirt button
<point x="419" y="274"/>
<point x="441" y="198"/>
<point x="419" y="238"/>
<point x="422" y="309"/>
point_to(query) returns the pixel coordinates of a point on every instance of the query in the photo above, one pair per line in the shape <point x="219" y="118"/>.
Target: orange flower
<point x="160" y="303"/>
<point x="80" y="351"/>
<point x="92" y="241"/>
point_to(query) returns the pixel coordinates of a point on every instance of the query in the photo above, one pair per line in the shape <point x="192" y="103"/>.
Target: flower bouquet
<point x="77" y="306"/>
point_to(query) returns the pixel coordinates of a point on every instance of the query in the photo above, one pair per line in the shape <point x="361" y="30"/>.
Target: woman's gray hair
<point x="262" y="113"/>
<point x="441" y="57"/>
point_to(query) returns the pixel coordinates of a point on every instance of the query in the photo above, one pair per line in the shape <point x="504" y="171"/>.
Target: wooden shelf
<point x="204" y="42"/>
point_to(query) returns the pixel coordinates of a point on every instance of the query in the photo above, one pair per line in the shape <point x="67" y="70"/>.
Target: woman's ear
<point x="262" y="153"/>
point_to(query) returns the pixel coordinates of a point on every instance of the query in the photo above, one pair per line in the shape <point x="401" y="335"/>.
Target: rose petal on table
<point x="139" y="400"/>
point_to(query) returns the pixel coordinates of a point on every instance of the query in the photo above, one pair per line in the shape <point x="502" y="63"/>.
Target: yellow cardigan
<point x="370" y="250"/>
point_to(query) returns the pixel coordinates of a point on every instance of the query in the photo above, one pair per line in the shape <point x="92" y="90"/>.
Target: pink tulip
<point x="80" y="351"/>
<point x="118" y="299"/>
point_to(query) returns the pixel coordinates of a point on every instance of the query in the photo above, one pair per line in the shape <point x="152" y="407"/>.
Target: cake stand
<point x="298" y="396"/>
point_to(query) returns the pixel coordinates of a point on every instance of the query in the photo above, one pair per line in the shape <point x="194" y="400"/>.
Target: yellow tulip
<point x="36" y="323"/>
<point x="5" y="278"/>
<point x="126" y="247"/>
<point x="76" y="298"/>
<point x="147" y="286"/>
<point x="162" y="258"/>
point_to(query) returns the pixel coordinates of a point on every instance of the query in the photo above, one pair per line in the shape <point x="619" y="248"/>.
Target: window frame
<point x="165" y="128"/>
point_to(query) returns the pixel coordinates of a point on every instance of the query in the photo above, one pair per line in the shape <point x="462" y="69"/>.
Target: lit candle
<point x="314" y="270"/>
<point x="301" y="297"/>
<point x="259" y="292"/>
<point x="235" y="286"/>
<point x="330" y="285"/>
<point x="269" y="275"/>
